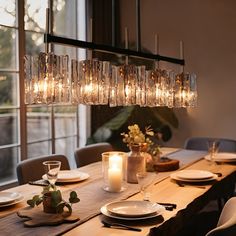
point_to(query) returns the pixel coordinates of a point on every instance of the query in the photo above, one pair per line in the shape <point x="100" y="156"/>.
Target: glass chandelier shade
<point x="50" y="80"/>
<point x="47" y="79"/>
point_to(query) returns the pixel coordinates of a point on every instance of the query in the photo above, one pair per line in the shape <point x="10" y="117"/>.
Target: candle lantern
<point x="114" y="171"/>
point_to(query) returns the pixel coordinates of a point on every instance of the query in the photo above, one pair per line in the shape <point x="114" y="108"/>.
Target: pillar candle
<point x="115" y="173"/>
<point x="114" y="179"/>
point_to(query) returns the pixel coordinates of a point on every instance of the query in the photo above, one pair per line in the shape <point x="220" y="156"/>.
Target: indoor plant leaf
<point x="166" y="115"/>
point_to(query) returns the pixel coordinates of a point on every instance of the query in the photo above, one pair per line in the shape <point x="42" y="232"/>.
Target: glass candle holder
<point x="114" y="171"/>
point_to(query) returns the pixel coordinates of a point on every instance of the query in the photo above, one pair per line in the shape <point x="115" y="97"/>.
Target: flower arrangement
<point x="52" y="200"/>
<point x="136" y="136"/>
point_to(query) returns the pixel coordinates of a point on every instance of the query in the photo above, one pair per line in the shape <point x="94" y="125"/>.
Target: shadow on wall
<point x="184" y="130"/>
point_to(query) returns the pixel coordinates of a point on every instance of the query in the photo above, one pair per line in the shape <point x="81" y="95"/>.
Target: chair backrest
<point x="226" y="225"/>
<point x="201" y="143"/>
<point x="91" y="153"/>
<point x="32" y="169"/>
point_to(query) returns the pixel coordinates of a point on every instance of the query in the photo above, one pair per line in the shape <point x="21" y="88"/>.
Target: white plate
<point x="194" y="174"/>
<point x="132" y="208"/>
<point x="12" y="203"/>
<point x="175" y="177"/>
<point x="105" y="212"/>
<point x="223" y="157"/>
<point x="8" y="197"/>
<point x="67" y="176"/>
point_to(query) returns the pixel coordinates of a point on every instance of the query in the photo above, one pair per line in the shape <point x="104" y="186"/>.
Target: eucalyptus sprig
<point x="57" y="202"/>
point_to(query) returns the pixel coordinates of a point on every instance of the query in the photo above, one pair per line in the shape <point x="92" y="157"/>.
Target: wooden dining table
<point x="189" y="199"/>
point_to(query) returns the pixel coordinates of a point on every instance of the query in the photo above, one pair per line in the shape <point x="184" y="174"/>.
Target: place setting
<point x="215" y="156"/>
<point x="128" y="214"/>
<point x="69" y="176"/>
<point x="226" y="157"/>
<point x="132" y="210"/>
<point x="10" y="198"/>
<point x="52" y="169"/>
<point x="193" y="177"/>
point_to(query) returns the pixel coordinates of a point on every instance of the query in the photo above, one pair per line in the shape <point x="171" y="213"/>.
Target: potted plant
<point x="52" y="200"/>
<point x="161" y="119"/>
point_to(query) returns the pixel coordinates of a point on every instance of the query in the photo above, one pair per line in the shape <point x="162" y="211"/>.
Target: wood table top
<point x="189" y="200"/>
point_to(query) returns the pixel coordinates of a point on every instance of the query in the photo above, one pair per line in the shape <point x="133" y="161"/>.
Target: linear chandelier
<point x="55" y="79"/>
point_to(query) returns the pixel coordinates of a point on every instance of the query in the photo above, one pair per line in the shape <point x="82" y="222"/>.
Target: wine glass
<point x="52" y="168"/>
<point x="145" y="181"/>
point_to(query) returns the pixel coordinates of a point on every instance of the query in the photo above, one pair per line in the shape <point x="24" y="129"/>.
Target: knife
<point x="39" y="183"/>
<point x="167" y="204"/>
<point x="121" y="226"/>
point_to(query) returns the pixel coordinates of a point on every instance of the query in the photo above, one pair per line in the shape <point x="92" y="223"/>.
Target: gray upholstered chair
<point x="32" y="169"/>
<point x="201" y="143"/>
<point x="226" y="225"/>
<point x="91" y="153"/>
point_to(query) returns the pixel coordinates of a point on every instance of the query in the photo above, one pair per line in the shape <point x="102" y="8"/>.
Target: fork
<point x="121" y="226"/>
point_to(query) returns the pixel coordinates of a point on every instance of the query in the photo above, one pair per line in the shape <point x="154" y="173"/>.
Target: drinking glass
<point x="213" y="148"/>
<point x="145" y="181"/>
<point x="52" y="169"/>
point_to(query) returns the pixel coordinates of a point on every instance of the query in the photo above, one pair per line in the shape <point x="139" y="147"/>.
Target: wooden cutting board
<point x="37" y="217"/>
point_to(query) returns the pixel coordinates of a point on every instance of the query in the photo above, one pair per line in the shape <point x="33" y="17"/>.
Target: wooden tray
<point x="37" y="217"/>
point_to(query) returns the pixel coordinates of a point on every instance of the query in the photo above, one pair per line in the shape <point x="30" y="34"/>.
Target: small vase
<point x="47" y="203"/>
<point x="135" y="163"/>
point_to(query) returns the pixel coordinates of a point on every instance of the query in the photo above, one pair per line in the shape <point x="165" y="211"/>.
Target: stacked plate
<point x="223" y="157"/>
<point x="68" y="176"/>
<point x="193" y="176"/>
<point x="10" y="198"/>
<point x="132" y="210"/>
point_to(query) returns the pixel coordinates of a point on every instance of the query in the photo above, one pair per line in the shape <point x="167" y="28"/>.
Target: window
<point x="50" y="129"/>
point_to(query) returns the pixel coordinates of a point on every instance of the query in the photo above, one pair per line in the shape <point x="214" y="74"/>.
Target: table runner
<point x="92" y="197"/>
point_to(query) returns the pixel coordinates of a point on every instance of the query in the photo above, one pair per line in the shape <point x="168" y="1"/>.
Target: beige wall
<point x="208" y="29"/>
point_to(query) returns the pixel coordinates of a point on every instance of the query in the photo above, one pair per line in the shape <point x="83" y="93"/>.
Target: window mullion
<point x="21" y="48"/>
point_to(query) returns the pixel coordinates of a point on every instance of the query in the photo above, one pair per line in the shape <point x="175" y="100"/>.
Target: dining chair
<point x="32" y="169"/>
<point x="201" y="143"/>
<point x="91" y="153"/>
<point x="226" y="225"/>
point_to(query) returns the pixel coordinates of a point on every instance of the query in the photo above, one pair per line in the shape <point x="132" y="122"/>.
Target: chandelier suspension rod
<point x="113" y="23"/>
<point x="138" y="26"/>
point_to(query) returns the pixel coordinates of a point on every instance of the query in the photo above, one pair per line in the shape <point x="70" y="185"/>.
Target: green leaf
<point x="56" y="197"/>
<point x="166" y="116"/>
<point x="120" y="119"/>
<point x="35" y="197"/>
<point x="46" y="189"/>
<point x="73" y="194"/>
<point x="40" y="200"/>
<point x="31" y="202"/>
<point x="102" y="134"/>
<point x="73" y="197"/>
